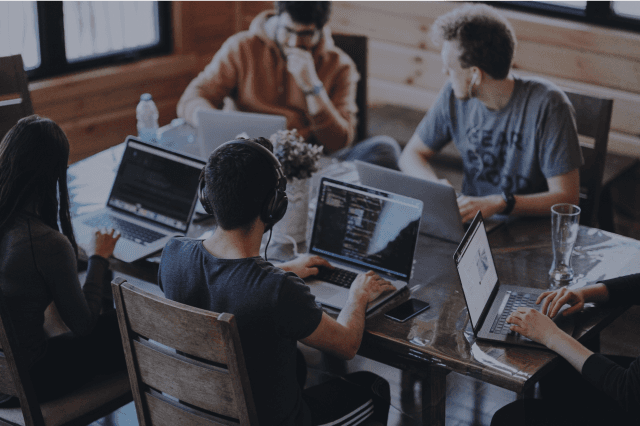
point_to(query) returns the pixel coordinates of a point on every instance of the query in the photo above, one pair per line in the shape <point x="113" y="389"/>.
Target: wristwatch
<point x="315" y="91"/>
<point x="510" y="200"/>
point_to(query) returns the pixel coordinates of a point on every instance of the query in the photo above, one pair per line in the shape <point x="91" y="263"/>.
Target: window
<point x="616" y="14"/>
<point x="60" y="37"/>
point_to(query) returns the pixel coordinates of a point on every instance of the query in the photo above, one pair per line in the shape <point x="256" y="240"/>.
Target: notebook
<point x="488" y="301"/>
<point x="216" y="127"/>
<point x="357" y="229"/>
<point x="152" y="200"/>
<point x="440" y="216"/>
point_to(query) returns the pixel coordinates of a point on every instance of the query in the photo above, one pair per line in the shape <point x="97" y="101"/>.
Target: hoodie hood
<point x="258" y="28"/>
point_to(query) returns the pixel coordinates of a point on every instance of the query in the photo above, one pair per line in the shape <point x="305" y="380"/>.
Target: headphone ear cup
<point x="274" y="208"/>
<point x="202" y="195"/>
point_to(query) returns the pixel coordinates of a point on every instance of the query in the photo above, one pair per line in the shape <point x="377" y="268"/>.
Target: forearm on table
<point x="568" y="348"/>
<point x="416" y="165"/>
<point x="596" y="293"/>
<point x="540" y="204"/>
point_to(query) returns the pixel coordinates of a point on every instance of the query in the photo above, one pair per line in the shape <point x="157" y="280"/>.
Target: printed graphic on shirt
<point x="486" y="161"/>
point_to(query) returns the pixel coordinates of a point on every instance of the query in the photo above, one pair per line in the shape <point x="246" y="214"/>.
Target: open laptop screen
<point x="477" y="271"/>
<point x="366" y="226"/>
<point x="156" y="185"/>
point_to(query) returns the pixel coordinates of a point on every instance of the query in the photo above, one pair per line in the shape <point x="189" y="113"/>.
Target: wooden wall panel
<point x="405" y="66"/>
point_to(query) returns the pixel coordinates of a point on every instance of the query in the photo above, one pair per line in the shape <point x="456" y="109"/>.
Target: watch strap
<point x="510" y="200"/>
<point x="315" y="90"/>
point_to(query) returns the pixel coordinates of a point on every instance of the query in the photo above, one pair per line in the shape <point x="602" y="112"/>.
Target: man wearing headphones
<point x="517" y="136"/>
<point x="243" y="186"/>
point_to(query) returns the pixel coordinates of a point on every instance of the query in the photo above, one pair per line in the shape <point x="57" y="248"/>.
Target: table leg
<point x="434" y="396"/>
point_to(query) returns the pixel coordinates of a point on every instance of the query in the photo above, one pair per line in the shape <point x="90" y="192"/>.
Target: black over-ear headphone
<point x="275" y="205"/>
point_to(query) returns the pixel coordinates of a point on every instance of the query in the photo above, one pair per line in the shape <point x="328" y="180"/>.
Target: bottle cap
<point x="145" y="97"/>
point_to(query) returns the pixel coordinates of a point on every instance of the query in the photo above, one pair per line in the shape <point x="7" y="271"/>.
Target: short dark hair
<point x="239" y="178"/>
<point x="306" y="12"/>
<point x="485" y="37"/>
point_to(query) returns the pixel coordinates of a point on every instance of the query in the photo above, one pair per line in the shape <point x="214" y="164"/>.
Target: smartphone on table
<point x="407" y="310"/>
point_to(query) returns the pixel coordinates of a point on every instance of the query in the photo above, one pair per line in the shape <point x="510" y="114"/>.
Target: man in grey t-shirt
<point x="517" y="136"/>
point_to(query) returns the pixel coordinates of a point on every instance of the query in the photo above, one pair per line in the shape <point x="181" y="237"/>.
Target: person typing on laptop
<point x="243" y="187"/>
<point x="517" y="136"/>
<point x="607" y="390"/>
<point x="286" y="64"/>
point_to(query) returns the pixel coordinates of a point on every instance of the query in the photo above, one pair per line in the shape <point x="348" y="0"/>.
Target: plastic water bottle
<point x="147" y="115"/>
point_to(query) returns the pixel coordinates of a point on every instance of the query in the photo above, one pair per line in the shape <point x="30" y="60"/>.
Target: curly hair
<point x="238" y="180"/>
<point x="306" y="12"/>
<point x="485" y="37"/>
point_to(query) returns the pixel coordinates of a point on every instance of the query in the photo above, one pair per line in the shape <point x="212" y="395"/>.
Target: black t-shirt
<point x="273" y="310"/>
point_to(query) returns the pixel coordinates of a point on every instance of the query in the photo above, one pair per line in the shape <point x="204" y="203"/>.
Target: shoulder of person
<point x="545" y="90"/>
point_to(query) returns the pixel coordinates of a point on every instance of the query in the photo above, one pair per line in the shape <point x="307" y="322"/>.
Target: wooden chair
<point x="357" y="48"/>
<point x="15" y="101"/>
<point x="593" y="116"/>
<point x="82" y="407"/>
<point x="185" y="364"/>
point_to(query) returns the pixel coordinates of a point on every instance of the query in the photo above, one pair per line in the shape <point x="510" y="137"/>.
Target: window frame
<point x="53" y="61"/>
<point x="596" y="12"/>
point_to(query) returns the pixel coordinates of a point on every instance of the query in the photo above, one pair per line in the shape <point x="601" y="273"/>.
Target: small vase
<point x="294" y="222"/>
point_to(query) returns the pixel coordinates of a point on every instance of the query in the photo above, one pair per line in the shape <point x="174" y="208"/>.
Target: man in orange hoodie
<point x="287" y="64"/>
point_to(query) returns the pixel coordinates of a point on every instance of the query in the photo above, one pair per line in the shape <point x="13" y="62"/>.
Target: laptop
<point x="357" y="229"/>
<point x="488" y="301"/>
<point x="440" y="216"/>
<point x="152" y="200"/>
<point x="216" y="127"/>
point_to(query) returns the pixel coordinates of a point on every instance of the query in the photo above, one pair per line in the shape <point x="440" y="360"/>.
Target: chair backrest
<point x="185" y="364"/>
<point x="357" y="48"/>
<point x="14" y="374"/>
<point x="15" y="101"/>
<point x="593" y="117"/>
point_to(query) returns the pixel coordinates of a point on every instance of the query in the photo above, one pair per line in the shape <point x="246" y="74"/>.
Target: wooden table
<point x="439" y="340"/>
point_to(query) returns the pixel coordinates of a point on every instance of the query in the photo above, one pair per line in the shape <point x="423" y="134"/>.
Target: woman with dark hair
<point x="38" y="265"/>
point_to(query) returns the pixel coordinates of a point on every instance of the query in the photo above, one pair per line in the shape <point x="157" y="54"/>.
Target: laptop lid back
<point x="477" y="272"/>
<point x="366" y="227"/>
<point x="440" y="214"/>
<point x="216" y="127"/>
<point x="156" y="185"/>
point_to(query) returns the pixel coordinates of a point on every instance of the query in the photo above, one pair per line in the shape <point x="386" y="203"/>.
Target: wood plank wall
<point x="97" y="108"/>
<point x="405" y="66"/>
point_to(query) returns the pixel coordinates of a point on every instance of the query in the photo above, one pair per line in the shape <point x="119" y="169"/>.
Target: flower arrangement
<point x="298" y="158"/>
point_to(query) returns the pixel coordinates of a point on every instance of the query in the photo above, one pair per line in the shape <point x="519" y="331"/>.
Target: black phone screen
<point x="406" y="310"/>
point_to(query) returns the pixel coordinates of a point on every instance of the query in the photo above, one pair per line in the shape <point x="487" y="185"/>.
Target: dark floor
<point x="469" y="401"/>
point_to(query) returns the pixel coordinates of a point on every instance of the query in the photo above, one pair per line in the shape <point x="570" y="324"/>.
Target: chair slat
<point x="165" y="413"/>
<point x="6" y="382"/>
<point x="188" y="380"/>
<point x="187" y="329"/>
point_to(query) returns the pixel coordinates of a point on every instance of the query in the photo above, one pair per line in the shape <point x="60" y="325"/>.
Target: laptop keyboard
<point x="128" y="230"/>
<point x="515" y="301"/>
<point x="337" y="276"/>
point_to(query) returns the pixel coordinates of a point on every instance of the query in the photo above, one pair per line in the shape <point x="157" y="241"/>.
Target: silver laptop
<point x="489" y="302"/>
<point x="358" y="229"/>
<point x="216" y="127"/>
<point x="440" y="216"/>
<point x="152" y="200"/>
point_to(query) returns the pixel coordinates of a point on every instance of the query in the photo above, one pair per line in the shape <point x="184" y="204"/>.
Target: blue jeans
<point x="380" y="150"/>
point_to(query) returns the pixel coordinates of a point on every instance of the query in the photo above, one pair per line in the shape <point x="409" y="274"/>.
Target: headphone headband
<point x="276" y="204"/>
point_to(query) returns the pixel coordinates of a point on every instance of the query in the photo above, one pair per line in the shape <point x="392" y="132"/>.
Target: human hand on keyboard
<point x="532" y="324"/>
<point x="555" y="300"/>
<point x="105" y="242"/>
<point x="305" y="266"/>
<point x="370" y="286"/>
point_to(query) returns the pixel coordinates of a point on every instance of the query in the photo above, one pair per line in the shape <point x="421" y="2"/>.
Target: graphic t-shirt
<point x="514" y="149"/>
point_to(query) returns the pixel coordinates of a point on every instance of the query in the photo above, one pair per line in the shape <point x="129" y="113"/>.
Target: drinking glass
<point x="564" y="231"/>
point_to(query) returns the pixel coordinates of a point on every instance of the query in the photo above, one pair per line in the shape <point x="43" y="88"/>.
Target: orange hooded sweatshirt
<point x="250" y="68"/>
